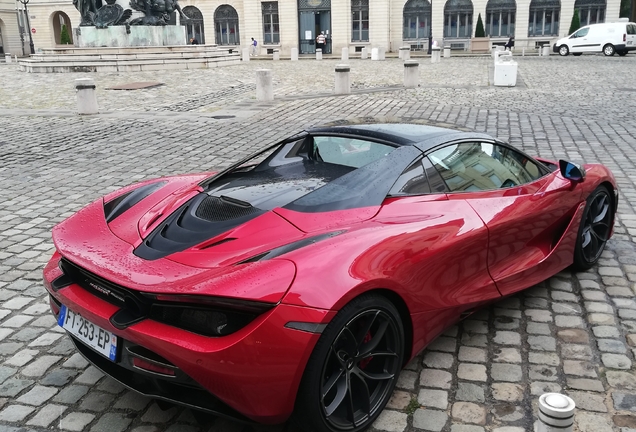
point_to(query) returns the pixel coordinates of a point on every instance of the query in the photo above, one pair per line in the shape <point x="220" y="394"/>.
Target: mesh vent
<point x="215" y="209"/>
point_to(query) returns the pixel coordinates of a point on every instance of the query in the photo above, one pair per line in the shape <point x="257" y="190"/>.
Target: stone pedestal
<point x="405" y="52"/>
<point x="7" y="58"/>
<point x="342" y="83"/>
<point x="345" y="54"/>
<point x="318" y="54"/>
<point x="435" y="55"/>
<point x="86" y="97"/>
<point x="447" y="52"/>
<point x="116" y="36"/>
<point x="375" y="54"/>
<point x="364" y="54"/>
<point x="381" y="53"/>
<point x="294" y="54"/>
<point x="264" y="86"/>
<point x="246" y="54"/>
<point x="411" y="74"/>
<point x="276" y="54"/>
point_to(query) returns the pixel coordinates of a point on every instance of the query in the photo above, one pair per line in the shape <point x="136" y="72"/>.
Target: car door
<point x="630" y="36"/>
<point x="527" y="209"/>
<point x="580" y="41"/>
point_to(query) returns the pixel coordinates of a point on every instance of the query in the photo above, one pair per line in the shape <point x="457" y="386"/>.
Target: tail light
<point x="152" y="367"/>
<point x="624" y="37"/>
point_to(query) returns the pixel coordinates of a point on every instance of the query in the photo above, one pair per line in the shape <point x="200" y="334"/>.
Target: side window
<point x="349" y="152"/>
<point x="469" y="167"/>
<point x="412" y="181"/>
<point x="582" y="32"/>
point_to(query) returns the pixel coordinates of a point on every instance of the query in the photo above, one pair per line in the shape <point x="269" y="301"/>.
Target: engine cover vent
<point x="218" y="209"/>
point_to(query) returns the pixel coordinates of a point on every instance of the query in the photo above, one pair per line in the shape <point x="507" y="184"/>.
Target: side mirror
<point x="572" y="171"/>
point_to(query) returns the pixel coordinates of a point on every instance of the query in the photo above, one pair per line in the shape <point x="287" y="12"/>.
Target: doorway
<point x="314" y="17"/>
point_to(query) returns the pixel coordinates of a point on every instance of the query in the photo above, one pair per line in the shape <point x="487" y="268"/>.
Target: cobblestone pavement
<point x="574" y="333"/>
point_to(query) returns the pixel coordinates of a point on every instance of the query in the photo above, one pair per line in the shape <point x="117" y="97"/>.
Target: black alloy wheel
<point x="595" y="229"/>
<point x="354" y="368"/>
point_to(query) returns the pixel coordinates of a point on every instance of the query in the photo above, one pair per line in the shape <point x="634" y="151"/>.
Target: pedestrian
<point x="510" y="44"/>
<point x="254" y="44"/>
<point x="320" y="41"/>
<point x="194" y="41"/>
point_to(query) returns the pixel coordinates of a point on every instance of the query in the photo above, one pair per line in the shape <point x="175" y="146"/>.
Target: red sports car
<point x="301" y="279"/>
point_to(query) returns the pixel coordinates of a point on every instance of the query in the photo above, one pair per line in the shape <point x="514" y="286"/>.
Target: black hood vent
<point x="203" y="217"/>
<point x="218" y="209"/>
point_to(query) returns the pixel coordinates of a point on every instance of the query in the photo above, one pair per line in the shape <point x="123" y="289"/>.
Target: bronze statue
<point x="157" y="12"/>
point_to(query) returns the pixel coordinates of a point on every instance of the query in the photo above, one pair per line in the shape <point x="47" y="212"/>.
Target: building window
<point x="226" y="25"/>
<point x="590" y="11"/>
<point x="194" y="24"/>
<point x="271" y="29"/>
<point x="500" y="18"/>
<point x="417" y="19"/>
<point x="359" y="20"/>
<point x="458" y="19"/>
<point x="544" y="18"/>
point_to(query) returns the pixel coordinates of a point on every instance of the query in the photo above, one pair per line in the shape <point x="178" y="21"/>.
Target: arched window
<point x="500" y="18"/>
<point x="60" y="19"/>
<point x="458" y="19"/>
<point x="226" y="24"/>
<point x="590" y="11"/>
<point x="194" y="26"/>
<point x="417" y="19"/>
<point x="544" y="18"/>
<point x="359" y="20"/>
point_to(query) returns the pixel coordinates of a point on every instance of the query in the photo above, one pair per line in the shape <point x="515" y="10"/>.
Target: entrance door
<point x="311" y="24"/>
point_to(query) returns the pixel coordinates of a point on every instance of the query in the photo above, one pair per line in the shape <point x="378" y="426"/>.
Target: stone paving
<point x="575" y="333"/>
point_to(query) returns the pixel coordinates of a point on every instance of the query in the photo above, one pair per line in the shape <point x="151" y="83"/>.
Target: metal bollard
<point x="345" y="54"/>
<point x="364" y="54"/>
<point x="276" y="54"/>
<point x="342" y="83"/>
<point x="294" y="54"/>
<point x="318" y="54"/>
<point x="246" y="54"/>
<point x="86" y="97"/>
<point x="264" y="87"/>
<point x="435" y="55"/>
<point x="411" y="74"/>
<point x="556" y="413"/>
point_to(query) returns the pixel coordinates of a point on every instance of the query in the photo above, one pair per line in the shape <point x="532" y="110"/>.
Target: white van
<point x="608" y="38"/>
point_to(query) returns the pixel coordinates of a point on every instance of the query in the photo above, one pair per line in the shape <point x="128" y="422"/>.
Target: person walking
<point x="254" y="44"/>
<point x="320" y="42"/>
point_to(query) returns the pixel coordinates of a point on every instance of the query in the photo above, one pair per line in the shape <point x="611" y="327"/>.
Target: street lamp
<point x="430" y="32"/>
<point x="28" y="23"/>
<point x="18" y="15"/>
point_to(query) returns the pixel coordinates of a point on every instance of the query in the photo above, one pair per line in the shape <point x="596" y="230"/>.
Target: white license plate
<point x="102" y="341"/>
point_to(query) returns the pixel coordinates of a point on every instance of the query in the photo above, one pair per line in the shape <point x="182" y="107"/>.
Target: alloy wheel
<point x="596" y="228"/>
<point x="362" y="364"/>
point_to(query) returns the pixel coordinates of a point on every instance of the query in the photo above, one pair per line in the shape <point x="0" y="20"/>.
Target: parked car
<point x="299" y="281"/>
<point x="608" y="38"/>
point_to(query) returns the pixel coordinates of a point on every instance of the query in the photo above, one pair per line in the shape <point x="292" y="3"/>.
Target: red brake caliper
<point x="366" y="361"/>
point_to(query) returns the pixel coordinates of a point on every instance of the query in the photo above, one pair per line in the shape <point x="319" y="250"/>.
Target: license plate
<point x="102" y="341"/>
<point x="629" y="42"/>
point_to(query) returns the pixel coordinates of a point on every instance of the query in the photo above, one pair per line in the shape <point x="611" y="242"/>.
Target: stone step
<point x="129" y="56"/>
<point x="149" y="49"/>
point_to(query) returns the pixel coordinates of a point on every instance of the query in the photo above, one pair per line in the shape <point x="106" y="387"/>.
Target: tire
<point x="577" y="54"/>
<point x="338" y="376"/>
<point x="564" y="50"/>
<point x="609" y="50"/>
<point x="596" y="226"/>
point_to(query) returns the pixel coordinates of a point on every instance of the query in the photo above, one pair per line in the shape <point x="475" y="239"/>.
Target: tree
<point x="65" y="39"/>
<point x="576" y="22"/>
<point x="625" y="8"/>
<point x="479" y="30"/>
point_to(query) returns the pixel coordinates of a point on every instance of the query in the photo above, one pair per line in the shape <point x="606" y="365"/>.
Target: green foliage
<point x="412" y="406"/>
<point x="576" y="22"/>
<point x="479" y="30"/>
<point x="65" y="39"/>
<point x="625" y="8"/>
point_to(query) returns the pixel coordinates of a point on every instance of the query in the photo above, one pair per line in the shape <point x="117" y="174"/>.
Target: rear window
<point x="631" y="29"/>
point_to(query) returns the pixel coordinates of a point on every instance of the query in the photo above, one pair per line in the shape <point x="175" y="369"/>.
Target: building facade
<point x="354" y="24"/>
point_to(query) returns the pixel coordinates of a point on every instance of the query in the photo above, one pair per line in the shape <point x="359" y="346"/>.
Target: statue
<point x="157" y="11"/>
<point x="87" y="10"/>
<point x="111" y="14"/>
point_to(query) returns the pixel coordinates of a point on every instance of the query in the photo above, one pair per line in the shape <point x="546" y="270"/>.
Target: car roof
<point x="421" y="136"/>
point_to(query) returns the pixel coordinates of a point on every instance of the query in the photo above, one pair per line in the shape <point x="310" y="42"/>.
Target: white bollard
<point x="345" y="54"/>
<point x="435" y="55"/>
<point x="264" y="87"/>
<point x="446" y="52"/>
<point x="246" y="54"/>
<point x="7" y="58"/>
<point x="523" y="52"/>
<point x="276" y="54"/>
<point x="546" y="50"/>
<point x="342" y="83"/>
<point x="294" y="54"/>
<point x="411" y="74"/>
<point x="318" y="54"/>
<point x="381" y="53"/>
<point x="375" y="54"/>
<point x="86" y="97"/>
<point x="556" y="413"/>
<point x="405" y="52"/>
<point x="364" y="54"/>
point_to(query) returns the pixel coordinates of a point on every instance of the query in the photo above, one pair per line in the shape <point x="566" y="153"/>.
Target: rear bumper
<point x="252" y="374"/>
